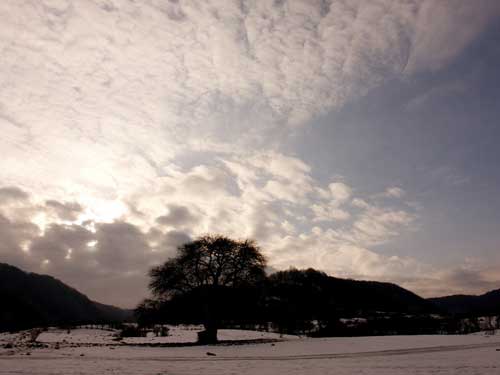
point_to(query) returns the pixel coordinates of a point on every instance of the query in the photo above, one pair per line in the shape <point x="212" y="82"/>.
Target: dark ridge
<point x="487" y="304"/>
<point x="33" y="300"/>
<point x="344" y="297"/>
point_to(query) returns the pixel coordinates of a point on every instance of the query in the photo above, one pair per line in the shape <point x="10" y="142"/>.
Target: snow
<point x="95" y="352"/>
<point x="78" y="336"/>
<point x="189" y="334"/>
<point x="177" y="334"/>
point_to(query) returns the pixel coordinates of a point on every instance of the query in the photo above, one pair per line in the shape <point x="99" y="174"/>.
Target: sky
<point x="355" y="137"/>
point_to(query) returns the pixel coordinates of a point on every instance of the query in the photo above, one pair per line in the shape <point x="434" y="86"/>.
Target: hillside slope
<point x="30" y="300"/>
<point x="488" y="303"/>
<point x="316" y="291"/>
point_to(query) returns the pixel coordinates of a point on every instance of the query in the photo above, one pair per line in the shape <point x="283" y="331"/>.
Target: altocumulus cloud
<point x="131" y="127"/>
<point x="118" y="86"/>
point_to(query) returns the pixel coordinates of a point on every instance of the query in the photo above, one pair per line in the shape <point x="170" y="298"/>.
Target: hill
<point x="305" y="302"/>
<point x="344" y="297"/>
<point x="314" y="302"/>
<point x="31" y="300"/>
<point x="485" y="304"/>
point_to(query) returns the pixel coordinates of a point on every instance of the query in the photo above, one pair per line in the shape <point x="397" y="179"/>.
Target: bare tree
<point x="206" y="264"/>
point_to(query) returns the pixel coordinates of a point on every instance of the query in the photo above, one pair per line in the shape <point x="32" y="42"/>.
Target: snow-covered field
<point x="96" y="352"/>
<point x="176" y="334"/>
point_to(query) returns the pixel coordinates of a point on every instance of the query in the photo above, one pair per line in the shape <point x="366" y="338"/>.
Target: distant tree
<point x="205" y="266"/>
<point x="146" y="313"/>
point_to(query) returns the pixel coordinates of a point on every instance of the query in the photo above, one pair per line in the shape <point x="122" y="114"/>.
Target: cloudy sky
<point x="356" y="137"/>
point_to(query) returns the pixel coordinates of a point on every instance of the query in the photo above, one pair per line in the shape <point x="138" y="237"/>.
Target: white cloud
<point x="103" y="96"/>
<point x="340" y="191"/>
<point x="328" y="213"/>
<point x="360" y="203"/>
<point x="377" y="225"/>
<point x="394" y="192"/>
<point x="330" y="251"/>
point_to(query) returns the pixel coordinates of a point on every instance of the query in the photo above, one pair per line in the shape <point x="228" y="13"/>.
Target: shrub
<point x="132" y="331"/>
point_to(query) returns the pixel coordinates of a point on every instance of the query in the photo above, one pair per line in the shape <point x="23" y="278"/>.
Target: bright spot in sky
<point x="40" y="220"/>
<point x="101" y="210"/>
<point x="68" y="254"/>
<point x="92" y="244"/>
<point x="25" y="246"/>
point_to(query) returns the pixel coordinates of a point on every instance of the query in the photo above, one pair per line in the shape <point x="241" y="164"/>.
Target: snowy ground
<point x="389" y="355"/>
<point x="177" y="334"/>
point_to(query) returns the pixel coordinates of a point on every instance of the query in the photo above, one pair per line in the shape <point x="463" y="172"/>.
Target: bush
<point x="161" y="331"/>
<point x="132" y="331"/>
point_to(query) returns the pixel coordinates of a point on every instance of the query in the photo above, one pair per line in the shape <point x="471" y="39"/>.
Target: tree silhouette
<point x="206" y="266"/>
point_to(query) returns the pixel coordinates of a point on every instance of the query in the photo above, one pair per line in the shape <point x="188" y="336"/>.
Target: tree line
<point x="220" y="282"/>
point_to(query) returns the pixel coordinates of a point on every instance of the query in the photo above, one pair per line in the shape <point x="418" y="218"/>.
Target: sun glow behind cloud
<point x="101" y="210"/>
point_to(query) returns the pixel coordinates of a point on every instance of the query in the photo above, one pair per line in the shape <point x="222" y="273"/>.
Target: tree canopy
<point x="208" y="264"/>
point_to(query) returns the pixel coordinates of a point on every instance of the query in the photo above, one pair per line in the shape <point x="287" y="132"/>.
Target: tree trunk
<point x="209" y="335"/>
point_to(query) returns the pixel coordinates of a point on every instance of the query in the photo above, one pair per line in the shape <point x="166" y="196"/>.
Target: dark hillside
<point x="30" y="300"/>
<point x="485" y="304"/>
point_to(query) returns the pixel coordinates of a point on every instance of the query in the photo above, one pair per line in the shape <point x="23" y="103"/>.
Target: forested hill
<point x="32" y="300"/>
<point x="294" y="297"/>
<point x="487" y="304"/>
<point x="314" y="290"/>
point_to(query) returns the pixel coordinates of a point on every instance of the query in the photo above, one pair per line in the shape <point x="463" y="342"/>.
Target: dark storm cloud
<point x="13" y="237"/>
<point x="101" y="259"/>
<point x="173" y="239"/>
<point x="12" y="193"/>
<point x="65" y="210"/>
<point x="61" y="243"/>
<point x="120" y="246"/>
<point x="177" y="216"/>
